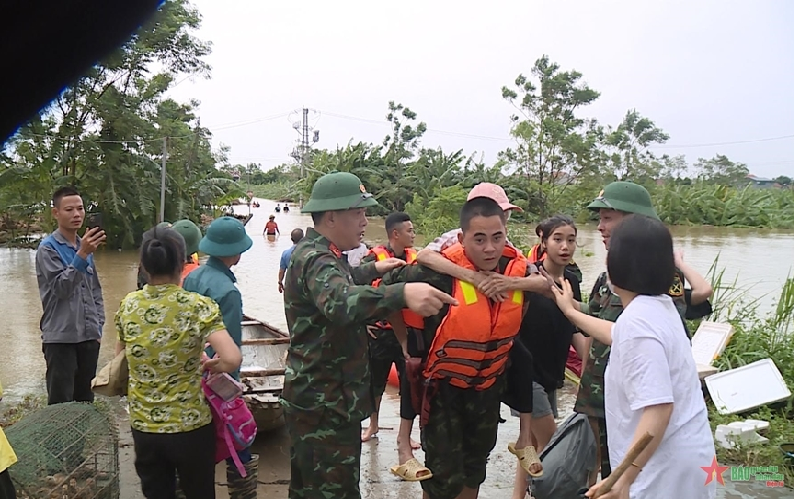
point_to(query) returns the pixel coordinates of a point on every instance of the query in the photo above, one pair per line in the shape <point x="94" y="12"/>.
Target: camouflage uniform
<point x="327" y="391"/>
<point x="462" y="425"/>
<point x="604" y="304"/>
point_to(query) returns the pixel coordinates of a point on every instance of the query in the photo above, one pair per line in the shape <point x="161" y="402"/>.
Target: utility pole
<point x="162" y="181"/>
<point x="301" y="153"/>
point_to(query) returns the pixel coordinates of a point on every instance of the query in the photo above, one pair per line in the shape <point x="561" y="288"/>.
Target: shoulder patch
<point x="677" y="288"/>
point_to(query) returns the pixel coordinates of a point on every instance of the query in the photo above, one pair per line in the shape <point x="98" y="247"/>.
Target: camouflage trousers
<point x="606" y="468"/>
<point x="325" y="458"/>
<point x="458" y="437"/>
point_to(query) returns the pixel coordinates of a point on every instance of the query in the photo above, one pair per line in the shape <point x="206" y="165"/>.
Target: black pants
<point x="415" y="349"/>
<point x="519" y="375"/>
<point x="70" y="369"/>
<point x="7" y="490"/>
<point x="160" y="457"/>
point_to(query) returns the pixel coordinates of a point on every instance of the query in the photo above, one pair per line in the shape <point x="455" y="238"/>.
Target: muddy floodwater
<point x="757" y="259"/>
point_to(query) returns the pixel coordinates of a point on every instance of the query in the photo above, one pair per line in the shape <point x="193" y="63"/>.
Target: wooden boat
<point x="262" y="372"/>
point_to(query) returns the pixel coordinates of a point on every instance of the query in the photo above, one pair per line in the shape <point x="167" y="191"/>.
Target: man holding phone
<point x="71" y="297"/>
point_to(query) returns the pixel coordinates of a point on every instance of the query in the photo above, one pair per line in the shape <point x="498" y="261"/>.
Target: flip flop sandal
<point x="410" y="470"/>
<point x="527" y="456"/>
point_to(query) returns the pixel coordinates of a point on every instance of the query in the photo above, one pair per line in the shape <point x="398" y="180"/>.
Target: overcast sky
<point x="705" y="71"/>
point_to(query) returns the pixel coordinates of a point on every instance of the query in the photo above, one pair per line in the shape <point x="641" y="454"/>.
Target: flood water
<point x="760" y="258"/>
<point x="757" y="258"/>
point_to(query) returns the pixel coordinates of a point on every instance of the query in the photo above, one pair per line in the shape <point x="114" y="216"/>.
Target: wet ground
<point x="380" y="454"/>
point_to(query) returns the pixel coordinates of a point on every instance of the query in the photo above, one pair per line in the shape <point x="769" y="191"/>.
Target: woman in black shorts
<point x="545" y="337"/>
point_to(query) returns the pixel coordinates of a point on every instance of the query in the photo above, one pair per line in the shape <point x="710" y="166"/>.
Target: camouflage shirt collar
<point x="321" y="240"/>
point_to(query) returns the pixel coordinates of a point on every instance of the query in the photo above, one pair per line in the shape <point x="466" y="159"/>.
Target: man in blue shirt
<point x="71" y="298"/>
<point x="225" y="241"/>
<point x="296" y="235"/>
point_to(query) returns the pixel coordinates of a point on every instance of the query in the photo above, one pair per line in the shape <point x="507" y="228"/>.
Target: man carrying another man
<point x="463" y="373"/>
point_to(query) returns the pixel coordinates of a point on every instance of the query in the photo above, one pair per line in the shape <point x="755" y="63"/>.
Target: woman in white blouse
<point x="651" y="382"/>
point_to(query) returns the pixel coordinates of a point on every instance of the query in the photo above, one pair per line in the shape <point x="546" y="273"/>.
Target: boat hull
<point x="262" y="372"/>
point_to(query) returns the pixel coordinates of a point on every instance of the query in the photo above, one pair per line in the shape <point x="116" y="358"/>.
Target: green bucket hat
<point x="627" y="197"/>
<point x="338" y="191"/>
<point x="225" y="237"/>
<point x="190" y="233"/>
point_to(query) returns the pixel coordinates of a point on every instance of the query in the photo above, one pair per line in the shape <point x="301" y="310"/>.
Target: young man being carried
<point x="390" y="344"/>
<point x="469" y="345"/>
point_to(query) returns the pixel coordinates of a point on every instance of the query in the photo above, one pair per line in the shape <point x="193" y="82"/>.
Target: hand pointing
<point x="426" y="300"/>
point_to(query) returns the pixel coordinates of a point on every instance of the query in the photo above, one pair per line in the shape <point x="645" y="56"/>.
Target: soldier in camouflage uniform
<point x="327" y="390"/>
<point x="613" y="203"/>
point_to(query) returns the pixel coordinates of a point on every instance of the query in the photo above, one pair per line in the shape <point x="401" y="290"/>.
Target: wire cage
<point x="66" y="451"/>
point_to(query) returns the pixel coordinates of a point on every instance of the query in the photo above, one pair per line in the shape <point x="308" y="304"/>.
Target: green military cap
<point x="338" y="191"/>
<point x="225" y="237"/>
<point x="164" y="225"/>
<point x="190" y="233"/>
<point x="627" y="197"/>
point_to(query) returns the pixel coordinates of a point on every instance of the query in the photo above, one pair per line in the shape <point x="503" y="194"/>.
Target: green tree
<point x="553" y="145"/>
<point x="629" y="143"/>
<point x="721" y="171"/>
<point x="104" y="134"/>
<point x="783" y="180"/>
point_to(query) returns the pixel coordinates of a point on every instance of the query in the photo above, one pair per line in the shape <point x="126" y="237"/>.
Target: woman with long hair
<point x="547" y="335"/>
<point x="163" y="330"/>
<point x="651" y="381"/>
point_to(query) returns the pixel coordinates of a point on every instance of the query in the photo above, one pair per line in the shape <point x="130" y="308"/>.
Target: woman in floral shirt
<point x="163" y="330"/>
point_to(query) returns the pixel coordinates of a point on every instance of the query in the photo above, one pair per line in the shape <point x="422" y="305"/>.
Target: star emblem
<point x="714" y="471"/>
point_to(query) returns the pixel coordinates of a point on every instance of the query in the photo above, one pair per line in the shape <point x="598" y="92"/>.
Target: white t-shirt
<point x="354" y="256"/>
<point x="651" y="363"/>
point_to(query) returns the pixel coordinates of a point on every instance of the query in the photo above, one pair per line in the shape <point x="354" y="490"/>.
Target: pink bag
<point x="235" y="428"/>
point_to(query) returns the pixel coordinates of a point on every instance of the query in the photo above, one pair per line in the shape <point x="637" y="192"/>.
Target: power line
<point x="432" y="130"/>
<point x="682" y="146"/>
<point x="227" y="126"/>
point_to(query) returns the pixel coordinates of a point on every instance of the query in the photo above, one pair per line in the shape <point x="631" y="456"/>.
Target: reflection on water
<point x="22" y="364"/>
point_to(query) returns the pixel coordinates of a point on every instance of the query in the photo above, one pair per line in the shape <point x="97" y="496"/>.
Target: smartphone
<point x="94" y="220"/>
<point x="225" y="386"/>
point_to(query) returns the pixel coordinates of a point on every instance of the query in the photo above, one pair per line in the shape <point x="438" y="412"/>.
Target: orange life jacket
<point x="410" y="318"/>
<point x="472" y="344"/>
<point x="188" y="268"/>
<point x="535" y="254"/>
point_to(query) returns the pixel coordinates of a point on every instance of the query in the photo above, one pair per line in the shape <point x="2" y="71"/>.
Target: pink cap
<point x="492" y="191"/>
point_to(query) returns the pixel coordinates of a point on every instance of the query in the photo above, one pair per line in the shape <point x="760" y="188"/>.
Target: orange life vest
<point x="410" y="318"/>
<point x="473" y="342"/>
<point x="188" y="268"/>
<point x="535" y="254"/>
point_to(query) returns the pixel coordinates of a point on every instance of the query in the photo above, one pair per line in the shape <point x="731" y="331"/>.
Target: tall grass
<point x="757" y="336"/>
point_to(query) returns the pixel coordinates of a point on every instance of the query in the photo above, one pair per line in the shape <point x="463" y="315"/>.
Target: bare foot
<point x="370" y="433"/>
<point x="415" y="445"/>
<point x="404" y="452"/>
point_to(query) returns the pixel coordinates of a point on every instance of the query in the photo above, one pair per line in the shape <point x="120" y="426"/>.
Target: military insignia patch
<point x="677" y="289"/>
<point x="363" y="189"/>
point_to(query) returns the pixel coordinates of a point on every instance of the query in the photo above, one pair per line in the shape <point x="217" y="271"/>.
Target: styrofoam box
<point x="747" y="387"/>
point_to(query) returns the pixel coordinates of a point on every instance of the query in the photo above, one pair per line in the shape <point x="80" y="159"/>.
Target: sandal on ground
<point x="527" y="456"/>
<point x="409" y="471"/>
